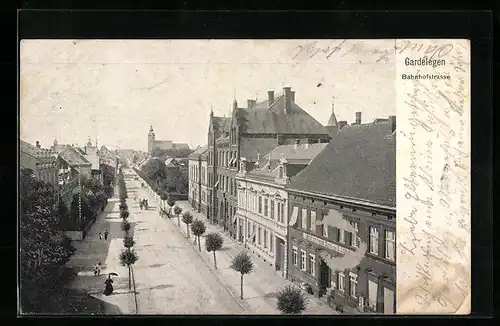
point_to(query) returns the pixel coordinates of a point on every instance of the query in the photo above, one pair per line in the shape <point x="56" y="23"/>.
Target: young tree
<point x="128" y="257"/>
<point x="242" y="264"/>
<point x="198" y="228"/>
<point x="177" y="212"/>
<point x="291" y="300"/>
<point x="187" y="218"/>
<point x="125" y="226"/>
<point x="213" y="242"/>
<point x="128" y="242"/>
<point x="170" y="203"/>
<point x="124" y="214"/>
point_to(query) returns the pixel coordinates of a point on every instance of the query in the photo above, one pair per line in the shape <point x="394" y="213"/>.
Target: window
<point x="282" y="213"/>
<point x="325" y="229"/>
<point x="260" y="205"/>
<point x="253" y="229"/>
<point x="295" y="258"/>
<point x="280" y="175"/>
<point x="272" y="209"/>
<point x="354" y="235"/>
<point x="341" y="282"/>
<point x="303" y="260"/>
<point x="372" y="294"/>
<point x="304" y="218"/>
<point x="333" y="279"/>
<point x="313" y="221"/>
<point x="265" y="238"/>
<point x="341" y="236"/>
<point x="373" y="240"/>
<point x="353" y="284"/>
<point x="390" y="248"/>
<point x="259" y="236"/>
<point x="248" y="230"/>
<point x="266" y="207"/>
<point x="271" y="242"/>
<point x="278" y="213"/>
<point x="312" y="265"/>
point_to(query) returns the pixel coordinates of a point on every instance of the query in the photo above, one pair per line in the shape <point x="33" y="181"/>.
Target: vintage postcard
<point x="244" y="177"/>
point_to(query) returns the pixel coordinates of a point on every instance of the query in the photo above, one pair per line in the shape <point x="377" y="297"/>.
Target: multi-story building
<point x="249" y="132"/>
<point x="342" y="219"/>
<point x="41" y="161"/>
<point x="262" y="213"/>
<point x="196" y="178"/>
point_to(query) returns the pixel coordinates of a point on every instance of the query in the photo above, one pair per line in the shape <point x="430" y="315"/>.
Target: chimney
<point x="342" y="124"/>
<point x="270" y="97"/>
<point x="297" y="142"/>
<point x="292" y="96"/>
<point x="250" y="103"/>
<point x="392" y="120"/>
<point x="38" y="144"/>
<point x="358" y="118"/>
<point x="287" y="94"/>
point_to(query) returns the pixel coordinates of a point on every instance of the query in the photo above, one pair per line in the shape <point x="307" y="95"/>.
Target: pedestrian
<point x="100" y="236"/>
<point x="106" y="235"/>
<point x="99" y="268"/>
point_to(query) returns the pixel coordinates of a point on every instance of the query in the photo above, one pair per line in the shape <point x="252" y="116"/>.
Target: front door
<point x="324" y="277"/>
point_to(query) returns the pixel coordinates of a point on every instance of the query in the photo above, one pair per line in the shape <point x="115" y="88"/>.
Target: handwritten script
<point x="433" y="170"/>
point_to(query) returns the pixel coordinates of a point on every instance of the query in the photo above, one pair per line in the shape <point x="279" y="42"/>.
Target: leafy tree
<point x="291" y="300"/>
<point x="128" y="242"/>
<point x="163" y="197"/>
<point x="43" y="248"/>
<point x="242" y="264"/>
<point x="187" y="218"/>
<point x="128" y="257"/>
<point x="170" y="202"/>
<point x="62" y="215"/>
<point x="124" y="214"/>
<point x="125" y="226"/>
<point x="123" y="206"/>
<point x="198" y="228"/>
<point x="213" y="242"/>
<point x="177" y="212"/>
<point x="154" y="169"/>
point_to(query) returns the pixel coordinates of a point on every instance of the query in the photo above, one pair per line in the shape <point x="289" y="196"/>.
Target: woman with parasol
<point x="109" y="284"/>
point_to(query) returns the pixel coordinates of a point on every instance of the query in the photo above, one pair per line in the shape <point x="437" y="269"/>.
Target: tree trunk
<point x="178" y="221"/>
<point x="187" y="228"/>
<point x="241" y="287"/>
<point x="199" y="244"/>
<point x="215" y="261"/>
<point x="129" y="279"/>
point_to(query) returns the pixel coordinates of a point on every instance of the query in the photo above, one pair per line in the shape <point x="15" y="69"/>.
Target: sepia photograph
<point x="216" y="177"/>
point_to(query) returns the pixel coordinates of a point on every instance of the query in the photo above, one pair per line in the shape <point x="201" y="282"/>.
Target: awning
<point x="294" y="217"/>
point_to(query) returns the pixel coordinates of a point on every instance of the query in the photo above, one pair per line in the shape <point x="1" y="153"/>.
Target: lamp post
<point x="79" y="197"/>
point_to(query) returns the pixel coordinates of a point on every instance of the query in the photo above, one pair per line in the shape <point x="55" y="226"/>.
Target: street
<point x="172" y="276"/>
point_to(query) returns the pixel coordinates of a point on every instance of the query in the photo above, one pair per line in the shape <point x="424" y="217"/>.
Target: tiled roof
<point x="73" y="157"/>
<point x="180" y="145"/>
<point x="360" y="163"/>
<point x="94" y="160"/>
<point x="261" y="119"/>
<point x="197" y="153"/>
<point x="250" y="147"/>
<point x="300" y="154"/>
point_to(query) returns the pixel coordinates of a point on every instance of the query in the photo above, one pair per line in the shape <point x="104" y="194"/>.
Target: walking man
<point x="100" y="236"/>
<point x="106" y="235"/>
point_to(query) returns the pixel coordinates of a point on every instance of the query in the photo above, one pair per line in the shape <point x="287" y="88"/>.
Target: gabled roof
<point x="250" y="147"/>
<point x="261" y="119"/>
<point x="73" y="157"/>
<point x="359" y="163"/>
<point x="301" y="154"/>
<point x="198" y="152"/>
<point x="180" y="145"/>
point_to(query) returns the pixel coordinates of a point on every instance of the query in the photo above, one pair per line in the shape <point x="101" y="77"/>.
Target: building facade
<point x="262" y="214"/>
<point x="342" y="227"/>
<point x="41" y="161"/>
<point x="196" y="179"/>
<point x="250" y="132"/>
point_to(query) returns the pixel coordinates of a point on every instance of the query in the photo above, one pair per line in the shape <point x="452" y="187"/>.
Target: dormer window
<point x="280" y="173"/>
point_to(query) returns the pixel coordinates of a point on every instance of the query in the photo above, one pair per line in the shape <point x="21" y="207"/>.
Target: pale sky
<point x="113" y="89"/>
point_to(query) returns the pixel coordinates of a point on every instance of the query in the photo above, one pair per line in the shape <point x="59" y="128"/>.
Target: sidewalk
<point x="260" y="286"/>
<point x="92" y="250"/>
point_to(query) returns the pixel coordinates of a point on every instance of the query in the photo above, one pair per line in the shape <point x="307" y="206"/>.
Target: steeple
<point x="332" y="122"/>
<point x="55" y="142"/>
<point x="89" y="143"/>
<point x="151" y="132"/>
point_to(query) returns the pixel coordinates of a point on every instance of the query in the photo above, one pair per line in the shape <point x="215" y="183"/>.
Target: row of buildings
<point x="316" y="202"/>
<point x="64" y="165"/>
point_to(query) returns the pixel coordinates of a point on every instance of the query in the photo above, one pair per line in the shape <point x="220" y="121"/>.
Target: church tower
<point x="332" y="126"/>
<point x="151" y="139"/>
